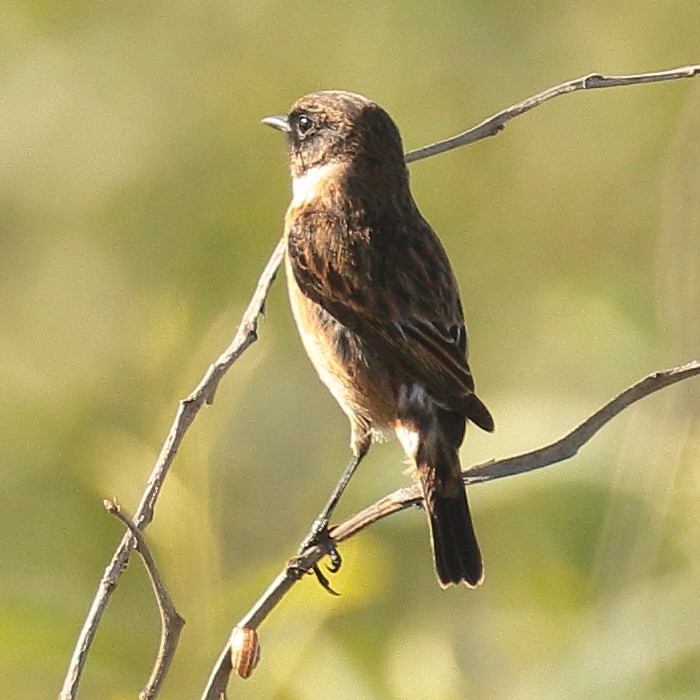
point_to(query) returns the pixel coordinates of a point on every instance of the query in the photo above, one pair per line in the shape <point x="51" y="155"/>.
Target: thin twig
<point x="410" y="496"/>
<point x="186" y="413"/>
<point x="495" y="124"/>
<point x="247" y="335"/>
<point x="171" y="623"/>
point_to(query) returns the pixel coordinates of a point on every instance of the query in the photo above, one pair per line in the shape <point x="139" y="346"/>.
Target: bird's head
<point x="333" y="127"/>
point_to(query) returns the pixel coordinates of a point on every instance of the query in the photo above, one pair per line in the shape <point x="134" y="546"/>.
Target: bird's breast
<point x="352" y="373"/>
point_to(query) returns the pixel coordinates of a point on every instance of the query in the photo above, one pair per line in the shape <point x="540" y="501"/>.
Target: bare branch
<point x="186" y="413"/>
<point x="410" y="496"/>
<point x="495" y="124"/>
<point x="171" y="621"/>
<point x="247" y="335"/>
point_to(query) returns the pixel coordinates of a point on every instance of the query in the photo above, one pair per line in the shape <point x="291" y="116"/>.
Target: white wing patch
<point x="409" y="439"/>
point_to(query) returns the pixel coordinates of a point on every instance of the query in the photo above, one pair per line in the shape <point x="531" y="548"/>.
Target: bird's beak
<point x="279" y="122"/>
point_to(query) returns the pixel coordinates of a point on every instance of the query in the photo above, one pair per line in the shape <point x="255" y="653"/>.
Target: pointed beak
<point x="279" y="122"/>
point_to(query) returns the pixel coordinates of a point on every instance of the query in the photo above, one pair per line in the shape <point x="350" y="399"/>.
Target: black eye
<point x="304" y="125"/>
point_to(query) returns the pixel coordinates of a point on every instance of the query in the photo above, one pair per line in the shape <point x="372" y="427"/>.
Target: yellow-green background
<point x="139" y="199"/>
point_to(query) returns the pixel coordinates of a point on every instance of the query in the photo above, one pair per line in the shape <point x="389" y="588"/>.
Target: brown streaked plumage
<point x="378" y="308"/>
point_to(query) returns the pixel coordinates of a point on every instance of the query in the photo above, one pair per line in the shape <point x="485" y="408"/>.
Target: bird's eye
<point x="304" y="125"/>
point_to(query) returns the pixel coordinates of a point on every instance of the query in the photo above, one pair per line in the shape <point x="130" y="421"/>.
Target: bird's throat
<point x="314" y="183"/>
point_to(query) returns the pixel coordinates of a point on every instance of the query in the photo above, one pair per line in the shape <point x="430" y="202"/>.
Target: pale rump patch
<point x="309" y="185"/>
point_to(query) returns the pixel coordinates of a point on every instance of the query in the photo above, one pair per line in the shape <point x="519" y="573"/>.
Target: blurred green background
<point x="139" y="200"/>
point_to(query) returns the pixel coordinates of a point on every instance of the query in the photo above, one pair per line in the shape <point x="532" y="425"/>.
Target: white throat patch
<point x="307" y="186"/>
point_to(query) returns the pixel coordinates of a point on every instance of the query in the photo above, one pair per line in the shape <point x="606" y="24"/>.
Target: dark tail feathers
<point x="455" y="549"/>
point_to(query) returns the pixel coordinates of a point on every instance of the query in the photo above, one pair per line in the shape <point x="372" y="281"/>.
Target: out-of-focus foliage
<point x="139" y="199"/>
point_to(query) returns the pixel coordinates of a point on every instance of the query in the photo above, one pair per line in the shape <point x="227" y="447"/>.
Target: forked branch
<point x="171" y="622"/>
<point x="186" y="413"/>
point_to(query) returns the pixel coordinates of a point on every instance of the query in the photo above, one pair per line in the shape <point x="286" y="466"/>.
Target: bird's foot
<point x="319" y="536"/>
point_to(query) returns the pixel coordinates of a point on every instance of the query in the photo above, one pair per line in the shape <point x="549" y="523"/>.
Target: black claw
<point x="336" y="561"/>
<point x="323" y="580"/>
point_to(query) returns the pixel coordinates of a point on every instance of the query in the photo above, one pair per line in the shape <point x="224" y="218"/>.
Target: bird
<point x="378" y="309"/>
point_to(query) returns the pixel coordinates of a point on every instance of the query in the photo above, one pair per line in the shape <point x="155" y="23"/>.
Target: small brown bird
<point x="378" y="309"/>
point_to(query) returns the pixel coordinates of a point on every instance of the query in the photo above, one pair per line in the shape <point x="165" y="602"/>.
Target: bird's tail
<point x="455" y="549"/>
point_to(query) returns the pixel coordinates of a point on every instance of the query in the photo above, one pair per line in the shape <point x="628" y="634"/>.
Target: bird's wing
<point x="399" y="295"/>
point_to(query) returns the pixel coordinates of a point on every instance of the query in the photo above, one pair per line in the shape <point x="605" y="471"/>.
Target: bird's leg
<point x="318" y="534"/>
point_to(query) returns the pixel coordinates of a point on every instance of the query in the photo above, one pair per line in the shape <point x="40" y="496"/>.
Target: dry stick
<point x="171" y="621"/>
<point x="495" y="124"/>
<point x="187" y="410"/>
<point x="247" y="334"/>
<point x="564" y="448"/>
